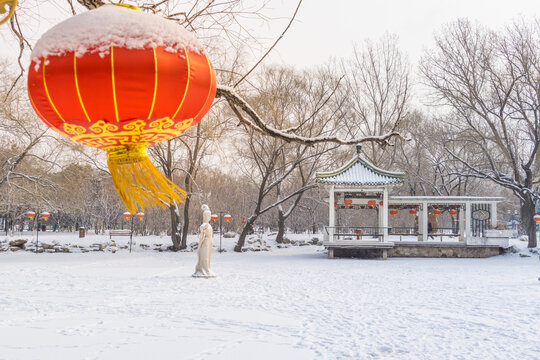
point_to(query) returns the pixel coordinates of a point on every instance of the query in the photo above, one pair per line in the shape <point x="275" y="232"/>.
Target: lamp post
<point x="220" y="215"/>
<point x="44" y="215"/>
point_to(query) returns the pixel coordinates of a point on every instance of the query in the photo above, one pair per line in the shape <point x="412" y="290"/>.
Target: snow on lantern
<point x="121" y="80"/>
<point x="45" y="215"/>
<point x="413" y="212"/>
<point x="453" y="213"/>
<point x="140" y="216"/>
<point x="227" y="217"/>
<point x="126" y="215"/>
<point x="372" y="203"/>
<point x="214" y="217"/>
<point x="537" y="219"/>
<point x="348" y="202"/>
<point x="30" y="215"/>
<point x="394" y="212"/>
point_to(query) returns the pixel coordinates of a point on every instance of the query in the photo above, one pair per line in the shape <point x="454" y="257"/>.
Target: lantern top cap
<point x="95" y="31"/>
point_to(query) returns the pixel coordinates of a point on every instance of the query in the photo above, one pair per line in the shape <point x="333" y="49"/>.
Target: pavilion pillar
<point x="424" y="221"/>
<point x="384" y="210"/>
<point x="331" y="213"/>
<point x="468" y="217"/>
<point x="461" y="219"/>
<point x="493" y="212"/>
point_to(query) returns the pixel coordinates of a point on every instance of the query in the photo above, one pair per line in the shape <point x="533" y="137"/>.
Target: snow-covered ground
<point x="290" y="303"/>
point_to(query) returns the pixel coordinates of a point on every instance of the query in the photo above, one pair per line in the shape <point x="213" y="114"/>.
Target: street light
<point x="44" y="215"/>
<point x="227" y="217"/>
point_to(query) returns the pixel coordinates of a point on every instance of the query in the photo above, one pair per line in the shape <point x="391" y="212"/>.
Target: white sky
<point x="329" y="28"/>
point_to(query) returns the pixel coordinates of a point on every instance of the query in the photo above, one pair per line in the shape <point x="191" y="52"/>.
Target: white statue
<point x="205" y="246"/>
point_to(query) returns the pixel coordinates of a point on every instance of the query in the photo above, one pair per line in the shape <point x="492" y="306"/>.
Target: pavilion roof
<point x="359" y="172"/>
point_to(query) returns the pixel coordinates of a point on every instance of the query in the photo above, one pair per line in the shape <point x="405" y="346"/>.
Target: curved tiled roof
<point x="359" y="171"/>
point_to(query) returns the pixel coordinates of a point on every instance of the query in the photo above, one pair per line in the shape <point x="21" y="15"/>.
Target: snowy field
<point x="290" y="303"/>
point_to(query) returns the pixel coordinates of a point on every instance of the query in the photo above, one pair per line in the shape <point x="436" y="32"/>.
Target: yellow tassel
<point x="137" y="181"/>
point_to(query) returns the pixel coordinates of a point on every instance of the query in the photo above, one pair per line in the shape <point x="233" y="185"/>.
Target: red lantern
<point x="140" y="216"/>
<point x="227" y="217"/>
<point x="335" y="204"/>
<point x="372" y="203"/>
<point x="30" y="215"/>
<point x="126" y="215"/>
<point x="437" y="212"/>
<point x="381" y="203"/>
<point x="348" y="202"/>
<point x="453" y="212"/>
<point x="537" y="219"/>
<point x="394" y="212"/>
<point x="214" y="217"/>
<point x="45" y="215"/>
<point x="132" y="81"/>
<point x="413" y="212"/>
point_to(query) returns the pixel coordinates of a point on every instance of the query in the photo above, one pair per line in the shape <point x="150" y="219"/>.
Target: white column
<point x="384" y="210"/>
<point x="424" y="221"/>
<point x="468" y="231"/>
<point x="331" y="213"/>
<point x="494" y="214"/>
<point x="461" y="224"/>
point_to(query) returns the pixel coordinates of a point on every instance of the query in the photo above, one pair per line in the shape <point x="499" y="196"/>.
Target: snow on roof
<point x="109" y="25"/>
<point x="359" y="171"/>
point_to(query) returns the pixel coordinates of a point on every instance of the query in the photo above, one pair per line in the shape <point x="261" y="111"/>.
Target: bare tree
<point x="490" y="81"/>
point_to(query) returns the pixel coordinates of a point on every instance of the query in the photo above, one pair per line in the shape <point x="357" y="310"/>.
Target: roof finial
<point x="358" y="149"/>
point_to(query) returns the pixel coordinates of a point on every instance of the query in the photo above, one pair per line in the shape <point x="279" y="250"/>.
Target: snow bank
<point x="97" y="30"/>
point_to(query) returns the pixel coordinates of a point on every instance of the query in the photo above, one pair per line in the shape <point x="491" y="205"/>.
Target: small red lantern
<point x="372" y="203"/>
<point x="537" y="219"/>
<point x="227" y="217"/>
<point x="381" y="203"/>
<point x="452" y="212"/>
<point x="214" y="217"/>
<point x="45" y="215"/>
<point x="348" y="202"/>
<point x="413" y="212"/>
<point x="335" y="204"/>
<point x="126" y="215"/>
<point x="30" y="215"/>
<point x="437" y="212"/>
<point x="394" y="212"/>
<point x="140" y="216"/>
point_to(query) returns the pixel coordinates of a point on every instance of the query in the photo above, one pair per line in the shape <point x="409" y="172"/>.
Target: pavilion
<point x="359" y="185"/>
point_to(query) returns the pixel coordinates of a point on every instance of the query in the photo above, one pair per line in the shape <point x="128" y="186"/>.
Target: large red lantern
<point x="122" y="80"/>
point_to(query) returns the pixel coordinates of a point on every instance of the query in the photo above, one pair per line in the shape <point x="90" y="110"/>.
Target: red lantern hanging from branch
<point x="140" y="216"/>
<point x="122" y="80"/>
<point x="537" y="219"/>
<point x="45" y="215"/>
<point x="227" y="217"/>
<point x="394" y="212"/>
<point x="126" y="215"/>
<point x="30" y="215"/>
<point x="214" y="217"/>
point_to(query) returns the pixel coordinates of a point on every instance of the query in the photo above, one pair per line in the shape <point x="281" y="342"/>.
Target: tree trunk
<point x="185" y="228"/>
<point x="242" y="239"/>
<point x="528" y="225"/>
<point x="281" y="227"/>
<point x="175" y="237"/>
